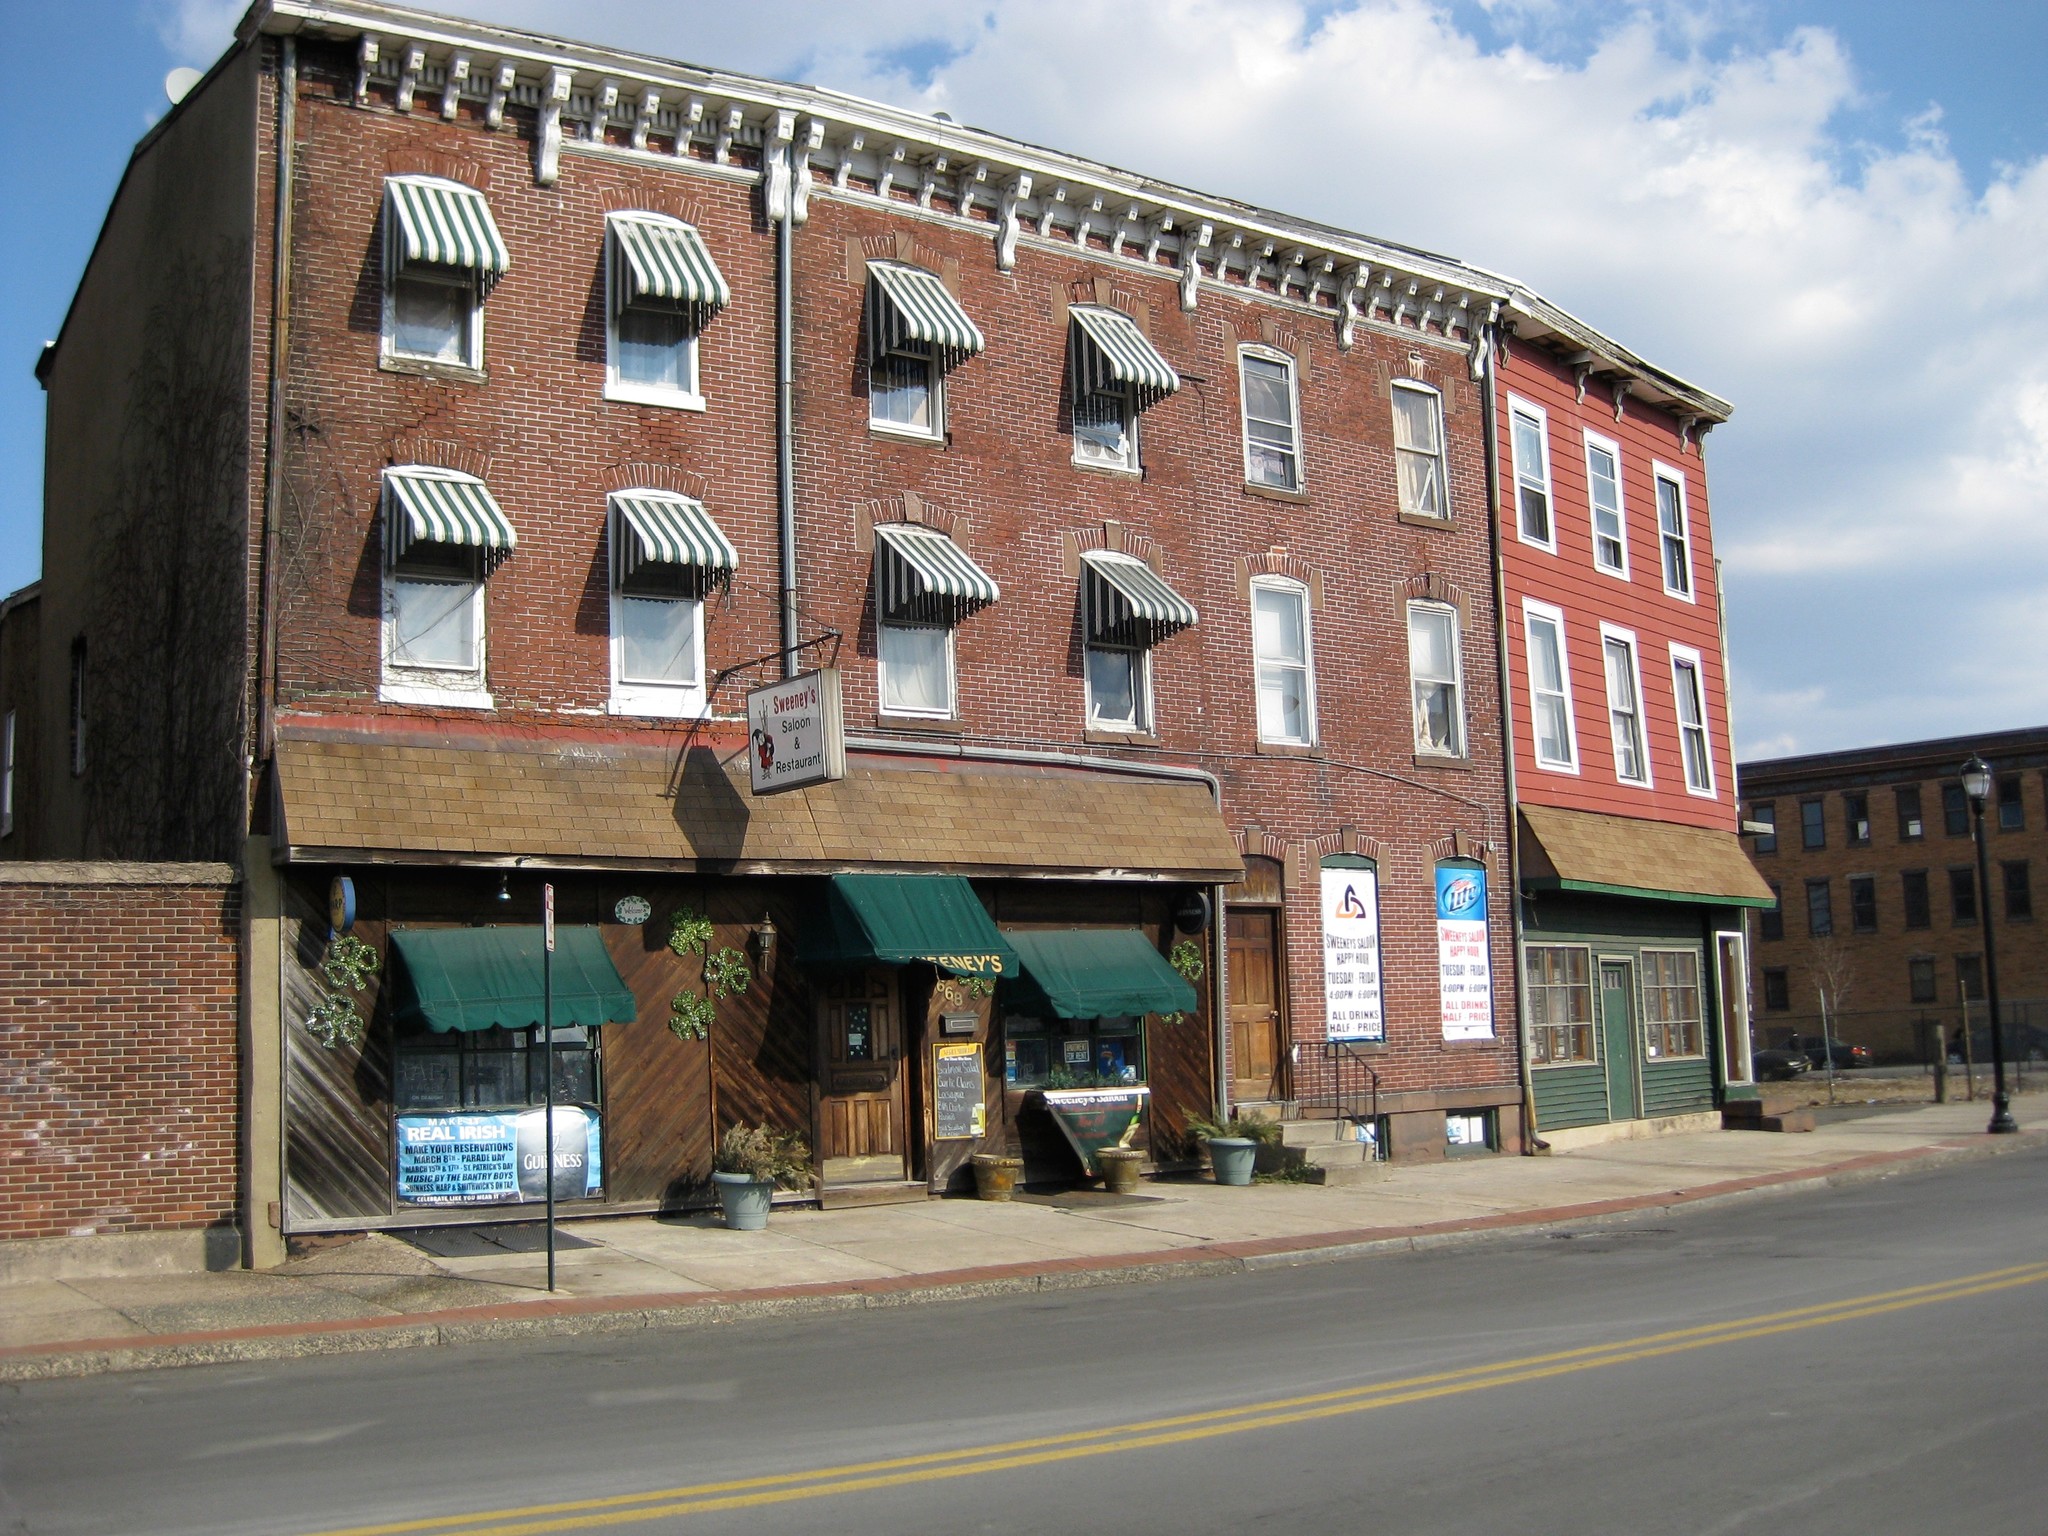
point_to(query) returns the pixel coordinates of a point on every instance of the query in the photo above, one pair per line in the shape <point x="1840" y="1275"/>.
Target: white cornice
<point x="1002" y="188"/>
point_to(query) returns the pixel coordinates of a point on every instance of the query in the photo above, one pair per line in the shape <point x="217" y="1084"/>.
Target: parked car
<point x="1845" y="1054"/>
<point x="1779" y="1064"/>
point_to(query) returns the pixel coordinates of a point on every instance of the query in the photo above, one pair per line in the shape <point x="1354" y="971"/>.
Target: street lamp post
<point x="1977" y="785"/>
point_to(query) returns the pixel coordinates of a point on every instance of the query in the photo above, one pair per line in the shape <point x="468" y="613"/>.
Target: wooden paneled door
<point x="860" y="1078"/>
<point x="1257" y="1036"/>
<point x="1618" y="1037"/>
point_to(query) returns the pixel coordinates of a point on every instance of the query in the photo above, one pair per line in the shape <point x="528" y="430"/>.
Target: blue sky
<point x="1833" y="214"/>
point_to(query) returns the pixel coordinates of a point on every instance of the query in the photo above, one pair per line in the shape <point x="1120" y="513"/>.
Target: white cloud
<point x="1879" y="324"/>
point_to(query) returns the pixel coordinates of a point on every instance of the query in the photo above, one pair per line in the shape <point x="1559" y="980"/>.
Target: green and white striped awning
<point x="664" y="259"/>
<point x="444" y="224"/>
<point x="909" y="304"/>
<point x="1128" y="603"/>
<point x="662" y="528"/>
<point x="1111" y="350"/>
<point x="426" y="505"/>
<point x="922" y="574"/>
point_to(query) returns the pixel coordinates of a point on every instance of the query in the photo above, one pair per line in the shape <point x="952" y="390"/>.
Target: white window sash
<point x="1542" y="695"/>
<point x="1529" y="442"/>
<point x="886" y="684"/>
<point x="1273" y="673"/>
<point x="1625" y="704"/>
<point x="1674" y="544"/>
<point x="1618" y="566"/>
<point x="1429" y="683"/>
<point x="1139" y="720"/>
<point x="1283" y="438"/>
<point x="461" y="282"/>
<point x="1695" y="742"/>
<point x="1422" y="478"/>
<point x="934" y="425"/>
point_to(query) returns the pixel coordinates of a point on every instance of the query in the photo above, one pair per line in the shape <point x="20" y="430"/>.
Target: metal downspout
<point x="280" y="364"/>
<point x="785" y="458"/>
<point x="1532" y="1142"/>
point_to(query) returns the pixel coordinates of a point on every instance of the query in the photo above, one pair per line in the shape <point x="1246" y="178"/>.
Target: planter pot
<point x="745" y="1199"/>
<point x="1119" y="1167"/>
<point x="995" y="1176"/>
<point x="1233" y="1157"/>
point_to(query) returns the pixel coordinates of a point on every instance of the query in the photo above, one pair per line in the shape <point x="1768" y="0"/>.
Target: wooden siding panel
<point x="657" y="1091"/>
<point x="1678" y="1087"/>
<point x="337" y="1102"/>
<point x="1569" y="1096"/>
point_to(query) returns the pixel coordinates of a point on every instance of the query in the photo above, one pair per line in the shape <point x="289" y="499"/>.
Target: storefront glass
<point x="1073" y="1053"/>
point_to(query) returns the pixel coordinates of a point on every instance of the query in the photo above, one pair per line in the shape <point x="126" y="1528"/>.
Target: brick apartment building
<point x="1632" y="874"/>
<point x="1145" y="533"/>
<point x="1874" y="869"/>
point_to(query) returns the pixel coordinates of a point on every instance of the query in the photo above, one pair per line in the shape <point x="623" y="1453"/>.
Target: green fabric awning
<point x="483" y="978"/>
<point x="1128" y="602"/>
<point x="893" y="919"/>
<point x="923" y="571"/>
<point x="668" y="529"/>
<point x="444" y="224"/>
<point x="443" y="506"/>
<point x="907" y="304"/>
<point x="1114" y="351"/>
<point x="664" y="258"/>
<point x="1095" y="973"/>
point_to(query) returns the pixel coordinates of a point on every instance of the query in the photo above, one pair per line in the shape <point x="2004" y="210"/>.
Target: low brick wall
<point x="118" y="1047"/>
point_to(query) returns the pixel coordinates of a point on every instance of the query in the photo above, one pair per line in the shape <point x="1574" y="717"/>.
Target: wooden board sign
<point x="957" y="1107"/>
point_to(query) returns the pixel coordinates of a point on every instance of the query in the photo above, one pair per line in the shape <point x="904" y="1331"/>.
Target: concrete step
<point x="842" y="1197"/>
<point x="1351" y="1173"/>
<point x="1309" y="1133"/>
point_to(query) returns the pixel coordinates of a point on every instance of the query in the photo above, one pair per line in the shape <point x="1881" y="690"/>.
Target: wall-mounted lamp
<point x="762" y="942"/>
<point x="504" y="887"/>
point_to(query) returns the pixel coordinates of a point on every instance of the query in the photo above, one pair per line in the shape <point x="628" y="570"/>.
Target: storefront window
<point x="1073" y="1053"/>
<point x="491" y="1069"/>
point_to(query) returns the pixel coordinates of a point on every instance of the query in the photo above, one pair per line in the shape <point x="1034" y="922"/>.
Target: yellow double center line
<point x="974" y="1461"/>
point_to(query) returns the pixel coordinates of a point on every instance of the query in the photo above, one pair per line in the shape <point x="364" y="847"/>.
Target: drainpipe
<point x="280" y="362"/>
<point x="1532" y="1143"/>
<point x="785" y="459"/>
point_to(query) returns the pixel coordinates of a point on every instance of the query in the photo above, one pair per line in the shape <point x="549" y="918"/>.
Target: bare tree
<point x="1834" y="978"/>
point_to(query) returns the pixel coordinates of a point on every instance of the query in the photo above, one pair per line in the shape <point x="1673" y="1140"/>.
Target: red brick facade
<point x="118" y="1021"/>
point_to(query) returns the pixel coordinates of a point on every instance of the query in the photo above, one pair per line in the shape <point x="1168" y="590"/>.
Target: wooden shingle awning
<point x="361" y="796"/>
<point x="1600" y="855"/>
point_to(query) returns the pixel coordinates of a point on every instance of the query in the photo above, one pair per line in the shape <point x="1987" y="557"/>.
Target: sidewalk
<point x="643" y="1272"/>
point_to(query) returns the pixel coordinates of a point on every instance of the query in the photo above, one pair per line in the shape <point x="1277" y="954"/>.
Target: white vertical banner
<point x="1464" y="963"/>
<point x="1351" y="956"/>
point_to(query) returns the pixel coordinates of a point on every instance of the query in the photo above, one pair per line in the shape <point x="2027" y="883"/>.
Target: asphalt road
<point x="1868" y="1359"/>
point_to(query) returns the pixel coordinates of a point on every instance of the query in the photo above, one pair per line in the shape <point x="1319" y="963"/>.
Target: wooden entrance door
<point x="1618" y="1036"/>
<point x="860" y="1078"/>
<point x="1257" y="1040"/>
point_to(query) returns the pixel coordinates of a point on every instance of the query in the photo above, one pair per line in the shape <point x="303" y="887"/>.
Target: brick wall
<point x="118" y="1047"/>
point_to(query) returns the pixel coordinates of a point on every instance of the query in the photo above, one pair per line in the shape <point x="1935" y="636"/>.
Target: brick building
<point x="1874" y="867"/>
<point x="1144" y="534"/>
<point x="1632" y="875"/>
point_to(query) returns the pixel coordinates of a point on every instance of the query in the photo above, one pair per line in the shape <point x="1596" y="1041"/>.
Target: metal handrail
<point x="1360" y="1101"/>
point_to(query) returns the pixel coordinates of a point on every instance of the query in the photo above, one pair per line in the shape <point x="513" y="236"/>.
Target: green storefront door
<point x="1618" y="1038"/>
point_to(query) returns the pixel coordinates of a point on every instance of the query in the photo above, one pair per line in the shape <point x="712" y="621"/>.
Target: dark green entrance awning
<point x="893" y="919"/>
<point x="1095" y="973"/>
<point x="483" y="978"/>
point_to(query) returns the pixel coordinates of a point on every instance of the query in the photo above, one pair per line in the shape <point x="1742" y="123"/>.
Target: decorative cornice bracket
<point x="547" y="144"/>
<point x="1192" y="240"/>
<point x="409" y="69"/>
<point x="502" y="80"/>
<point x="1008" y="208"/>
<point x="451" y="91"/>
<point x="366" y="65"/>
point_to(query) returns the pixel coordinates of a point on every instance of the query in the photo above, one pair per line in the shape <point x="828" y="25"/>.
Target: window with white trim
<point x="1114" y="373"/>
<point x="665" y="554"/>
<point x="1127" y="608"/>
<point x="1272" y="419"/>
<point x="1694" y="745"/>
<point x="1419" y="467"/>
<point x="1603" y="494"/>
<point x="917" y="675"/>
<point x="442" y="531"/>
<point x="1529" y="431"/>
<point x="906" y="389"/>
<point x="1550" y="688"/>
<point x="916" y="331"/>
<point x="924" y="585"/>
<point x="661" y="288"/>
<point x="442" y="250"/>
<point x="7" y="774"/>
<point x="1433" y="677"/>
<point x="1105" y="426"/>
<point x="1283" y="662"/>
<point x="1625" y="705"/>
<point x="1673" y="536"/>
<point x="1671" y="1004"/>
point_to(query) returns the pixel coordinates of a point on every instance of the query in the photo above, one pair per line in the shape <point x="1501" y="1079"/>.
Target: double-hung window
<point x="1550" y="688"/>
<point x="925" y="584"/>
<point x="442" y="531"/>
<point x="2019" y="889"/>
<point x="1115" y="373"/>
<point x="1127" y="609"/>
<point x="1962" y="895"/>
<point x="1920" y="985"/>
<point x="1419" y="468"/>
<point x="1603" y="492"/>
<point x="1856" y="815"/>
<point x="916" y="332"/>
<point x="1813" y="824"/>
<point x="2012" y="805"/>
<point x="1674" y="537"/>
<point x="1694" y="745"/>
<point x="661" y="288"/>
<point x="1764" y="813"/>
<point x="1911" y="827"/>
<point x="1863" y="903"/>
<point x="666" y="553"/>
<point x="1624" y="705"/>
<point x="1955" y="810"/>
<point x="442" y="252"/>
<point x="1559" y="988"/>
<point x="1913" y="898"/>
<point x="1283" y="662"/>
<point x="1272" y="419"/>
<point x="1529" y="432"/>
<point x="1820" y="908"/>
<point x="1433" y="676"/>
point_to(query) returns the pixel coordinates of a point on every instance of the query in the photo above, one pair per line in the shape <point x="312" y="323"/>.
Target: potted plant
<point x="752" y="1161"/>
<point x="1233" y="1144"/>
<point x="1119" y="1166"/>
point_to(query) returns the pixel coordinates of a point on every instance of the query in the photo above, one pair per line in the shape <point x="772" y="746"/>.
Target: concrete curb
<point x="610" y="1315"/>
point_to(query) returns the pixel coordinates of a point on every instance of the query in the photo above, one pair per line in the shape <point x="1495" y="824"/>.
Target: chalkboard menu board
<point x="956" y="1096"/>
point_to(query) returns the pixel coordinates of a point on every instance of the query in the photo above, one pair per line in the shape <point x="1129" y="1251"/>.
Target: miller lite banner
<point x="795" y="733"/>
<point x="1464" y="962"/>
<point x="1351" y="956"/>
